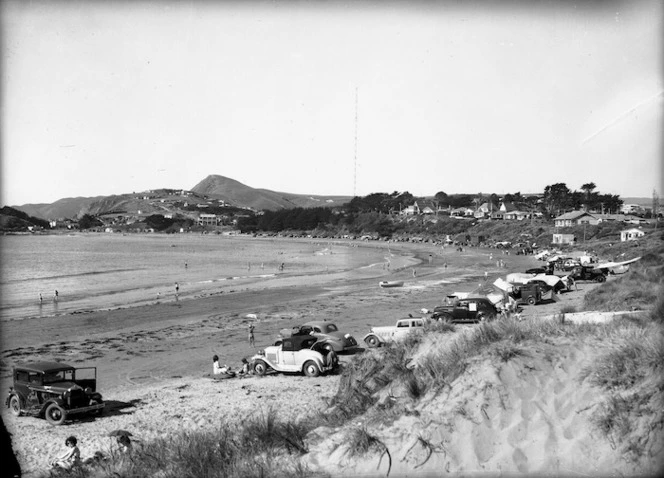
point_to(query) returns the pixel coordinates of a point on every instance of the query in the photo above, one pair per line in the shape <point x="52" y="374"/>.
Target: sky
<point x="330" y="98"/>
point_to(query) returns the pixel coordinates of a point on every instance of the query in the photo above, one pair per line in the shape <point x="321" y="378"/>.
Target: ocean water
<point x="100" y="271"/>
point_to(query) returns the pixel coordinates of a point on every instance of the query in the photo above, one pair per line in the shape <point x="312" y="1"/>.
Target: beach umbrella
<point x="120" y="433"/>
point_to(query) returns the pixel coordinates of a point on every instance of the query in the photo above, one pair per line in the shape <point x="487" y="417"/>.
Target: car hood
<point x="60" y="387"/>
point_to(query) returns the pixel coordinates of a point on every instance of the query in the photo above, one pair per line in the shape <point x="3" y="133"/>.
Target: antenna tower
<point x="355" y="157"/>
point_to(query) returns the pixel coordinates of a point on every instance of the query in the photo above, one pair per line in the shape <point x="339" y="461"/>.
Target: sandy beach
<point x="154" y="361"/>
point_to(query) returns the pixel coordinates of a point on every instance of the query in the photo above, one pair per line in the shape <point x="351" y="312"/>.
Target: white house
<point x="631" y="234"/>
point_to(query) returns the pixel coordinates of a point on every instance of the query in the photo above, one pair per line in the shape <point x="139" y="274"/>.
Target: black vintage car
<point x="54" y="391"/>
<point x="470" y="309"/>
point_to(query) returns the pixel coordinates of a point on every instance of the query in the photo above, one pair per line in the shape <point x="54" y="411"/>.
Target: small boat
<point x="391" y="283"/>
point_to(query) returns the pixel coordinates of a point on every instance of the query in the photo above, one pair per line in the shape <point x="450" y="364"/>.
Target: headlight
<point x="261" y="352"/>
<point x="347" y="336"/>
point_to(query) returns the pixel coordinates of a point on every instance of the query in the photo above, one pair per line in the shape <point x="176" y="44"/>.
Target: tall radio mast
<point x="355" y="157"/>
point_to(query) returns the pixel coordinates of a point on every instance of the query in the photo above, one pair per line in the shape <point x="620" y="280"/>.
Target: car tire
<point x="600" y="278"/>
<point x="328" y="347"/>
<point x="480" y="316"/>
<point x="260" y="367"/>
<point x="310" y="369"/>
<point x="372" y="341"/>
<point x="15" y="405"/>
<point x="55" y="414"/>
<point x="531" y="300"/>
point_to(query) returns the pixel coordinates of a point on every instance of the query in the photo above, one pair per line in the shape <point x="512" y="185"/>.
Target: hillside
<point x="216" y="187"/>
<point x="237" y="193"/>
<point x="62" y="208"/>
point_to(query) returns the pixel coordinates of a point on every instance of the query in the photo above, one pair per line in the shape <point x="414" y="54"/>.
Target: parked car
<point x="539" y="270"/>
<point x="587" y="274"/>
<point x="470" y="309"/>
<point x="326" y="332"/>
<point x="55" y="391"/>
<point x="527" y="293"/>
<point x="298" y="353"/>
<point x="390" y="333"/>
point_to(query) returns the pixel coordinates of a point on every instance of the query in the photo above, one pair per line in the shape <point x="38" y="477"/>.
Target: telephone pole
<point x="355" y="155"/>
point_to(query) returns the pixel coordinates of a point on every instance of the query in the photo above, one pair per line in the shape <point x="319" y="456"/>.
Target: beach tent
<point x="491" y="292"/>
<point x="518" y="278"/>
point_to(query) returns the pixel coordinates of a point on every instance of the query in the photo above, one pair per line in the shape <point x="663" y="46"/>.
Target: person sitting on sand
<point x="124" y="444"/>
<point x="70" y="458"/>
<point x="216" y="368"/>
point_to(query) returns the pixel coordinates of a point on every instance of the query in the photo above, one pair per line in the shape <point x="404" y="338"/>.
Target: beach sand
<point x="154" y="362"/>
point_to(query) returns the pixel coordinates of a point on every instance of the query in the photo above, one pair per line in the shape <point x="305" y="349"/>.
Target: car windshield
<point x="58" y="376"/>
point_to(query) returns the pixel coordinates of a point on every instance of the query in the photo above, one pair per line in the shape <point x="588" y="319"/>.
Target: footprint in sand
<point x="520" y="460"/>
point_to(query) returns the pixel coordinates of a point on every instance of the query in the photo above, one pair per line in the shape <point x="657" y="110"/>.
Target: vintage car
<point x="299" y="353"/>
<point x="54" y="390"/>
<point x="326" y="332"/>
<point x="586" y="273"/>
<point x="391" y="333"/>
<point x="469" y="309"/>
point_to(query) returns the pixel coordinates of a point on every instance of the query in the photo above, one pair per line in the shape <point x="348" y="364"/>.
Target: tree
<point x="556" y="198"/>
<point x="87" y="221"/>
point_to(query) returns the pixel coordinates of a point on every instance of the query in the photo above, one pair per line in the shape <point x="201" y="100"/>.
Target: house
<point x="462" y="212"/>
<point x="516" y="215"/>
<point x="632" y="209"/>
<point x="563" y="239"/>
<point x="208" y="220"/>
<point x="575" y="218"/>
<point x="507" y="207"/>
<point x="426" y="207"/>
<point x="485" y="210"/>
<point x="631" y="234"/>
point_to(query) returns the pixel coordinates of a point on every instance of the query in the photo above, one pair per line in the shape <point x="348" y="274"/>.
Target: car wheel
<point x="15" y="405"/>
<point x="372" y="341"/>
<point x="328" y="347"/>
<point x="260" y="367"/>
<point x="480" y="317"/>
<point x="55" y="414"/>
<point x="311" y="369"/>
<point x="531" y="300"/>
<point x="600" y="278"/>
<point x="445" y="317"/>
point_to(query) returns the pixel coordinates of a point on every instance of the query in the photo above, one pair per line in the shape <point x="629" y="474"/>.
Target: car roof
<point x="44" y="366"/>
<point x="317" y="322"/>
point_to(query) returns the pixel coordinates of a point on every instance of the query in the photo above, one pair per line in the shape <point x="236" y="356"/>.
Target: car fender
<point x="21" y="398"/>
<point x="371" y="334"/>
<point x="57" y="401"/>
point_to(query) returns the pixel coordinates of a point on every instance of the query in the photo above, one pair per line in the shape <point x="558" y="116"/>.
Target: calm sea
<point x="99" y="271"/>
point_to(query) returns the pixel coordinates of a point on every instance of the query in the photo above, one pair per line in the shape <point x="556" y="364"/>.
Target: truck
<point x="390" y="333"/>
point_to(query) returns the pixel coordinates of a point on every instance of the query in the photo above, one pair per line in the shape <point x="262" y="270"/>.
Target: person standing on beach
<point x="55" y="296"/>
<point x="41" y="299"/>
<point x="177" y="288"/>
<point x="251" y="334"/>
<point x="185" y="264"/>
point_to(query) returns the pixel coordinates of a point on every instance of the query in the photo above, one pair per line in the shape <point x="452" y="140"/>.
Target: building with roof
<point x="575" y="218"/>
<point x="631" y="234"/>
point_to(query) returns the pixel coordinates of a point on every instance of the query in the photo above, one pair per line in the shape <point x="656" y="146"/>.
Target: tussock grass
<point x="361" y="442"/>
<point x="638" y="289"/>
<point x="261" y="445"/>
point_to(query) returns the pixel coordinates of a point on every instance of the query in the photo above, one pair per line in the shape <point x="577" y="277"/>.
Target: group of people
<point x="55" y="297"/>
<point x="227" y="371"/>
<point x="72" y="456"/>
<point x="245" y="368"/>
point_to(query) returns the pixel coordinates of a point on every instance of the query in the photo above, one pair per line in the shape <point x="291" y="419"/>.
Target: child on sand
<point x="70" y="458"/>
